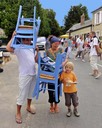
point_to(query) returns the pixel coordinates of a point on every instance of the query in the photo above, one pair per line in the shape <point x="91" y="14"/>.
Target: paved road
<point x="90" y="93"/>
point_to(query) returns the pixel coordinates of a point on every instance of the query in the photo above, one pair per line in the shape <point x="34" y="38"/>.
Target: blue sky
<point x="61" y="7"/>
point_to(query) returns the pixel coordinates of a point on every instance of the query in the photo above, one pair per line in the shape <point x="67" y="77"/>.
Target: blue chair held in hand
<point x="46" y="76"/>
<point x="26" y="31"/>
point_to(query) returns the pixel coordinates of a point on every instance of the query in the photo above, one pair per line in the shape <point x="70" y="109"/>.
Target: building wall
<point x="97" y="22"/>
<point x="82" y="31"/>
<point x="96" y="25"/>
<point x="98" y="29"/>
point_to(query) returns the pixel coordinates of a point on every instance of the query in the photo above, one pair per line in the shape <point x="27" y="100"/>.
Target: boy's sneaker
<point x="99" y="74"/>
<point x="76" y="113"/>
<point x="69" y="113"/>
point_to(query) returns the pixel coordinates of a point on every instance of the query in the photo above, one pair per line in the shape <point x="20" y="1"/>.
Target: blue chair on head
<point x="26" y="31"/>
<point x="49" y="76"/>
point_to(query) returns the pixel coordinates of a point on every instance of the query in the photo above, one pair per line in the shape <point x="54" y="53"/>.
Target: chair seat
<point x="47" y="76"/>
<point x="24" y="31"/>
<point x="24" y="36"/>
<point x="25" y="26"/>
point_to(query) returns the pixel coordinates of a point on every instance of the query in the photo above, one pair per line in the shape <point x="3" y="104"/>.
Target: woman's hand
<point x="13" y="34"/>
<point x="37" y="49"/>
<point x="64" y="63"/>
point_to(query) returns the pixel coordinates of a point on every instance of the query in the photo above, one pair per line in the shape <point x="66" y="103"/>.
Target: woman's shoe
<point x="57" y="109"/>
<point x="52" y="110"/>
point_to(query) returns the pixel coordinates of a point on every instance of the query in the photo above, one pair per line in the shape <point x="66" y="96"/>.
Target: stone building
<point x="86" y="26"/>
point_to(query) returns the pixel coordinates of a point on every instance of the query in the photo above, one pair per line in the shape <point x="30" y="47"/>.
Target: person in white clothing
<point x="93" y="55"/>
<point x="27" y="75"/>
<point x="68" y="49"/>
<point x="80" y="43"/>
<point x="86" y="49"/>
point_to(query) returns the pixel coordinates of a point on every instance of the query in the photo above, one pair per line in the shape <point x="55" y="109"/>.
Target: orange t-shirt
<point x="71" y="76"/>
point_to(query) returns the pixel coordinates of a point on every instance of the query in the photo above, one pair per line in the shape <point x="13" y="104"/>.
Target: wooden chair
<point x="45" y="77"/>
<point x="26" y="31"/>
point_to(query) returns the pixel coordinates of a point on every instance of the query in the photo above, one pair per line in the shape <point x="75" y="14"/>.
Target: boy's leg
<point x="69" y="113"/>
<point x="68" y="104"/>
<point x="75" y="104"/>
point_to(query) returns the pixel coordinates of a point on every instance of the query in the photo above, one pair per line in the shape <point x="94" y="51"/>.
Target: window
<point x="98" y="17"/>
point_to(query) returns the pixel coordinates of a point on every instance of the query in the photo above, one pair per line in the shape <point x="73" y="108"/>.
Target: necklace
<point x="53" y="52"/>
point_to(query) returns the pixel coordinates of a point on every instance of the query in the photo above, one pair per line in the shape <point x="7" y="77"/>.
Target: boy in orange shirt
<point x="69" y="80"/>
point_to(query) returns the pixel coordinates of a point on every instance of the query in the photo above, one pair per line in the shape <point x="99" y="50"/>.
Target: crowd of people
<point x="89" y="46"/>
<point x="27" y="71"/>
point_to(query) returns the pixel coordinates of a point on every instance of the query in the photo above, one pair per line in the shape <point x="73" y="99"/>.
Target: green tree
<point x="74" y="15"/>
<point x="45" y="28"/>
<point x="7" y="16"/>
<point x="55" y="29"/>
<point x="49" y="25"/>
<point x="9" y="13"/>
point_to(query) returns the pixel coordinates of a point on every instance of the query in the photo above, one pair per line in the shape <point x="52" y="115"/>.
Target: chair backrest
<point x="59" y="60"/>
<point x="57" y="66"/>
<point x="26" y="31"/>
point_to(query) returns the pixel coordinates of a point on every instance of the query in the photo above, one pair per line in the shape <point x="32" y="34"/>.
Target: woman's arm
<point x="64" y="63"/>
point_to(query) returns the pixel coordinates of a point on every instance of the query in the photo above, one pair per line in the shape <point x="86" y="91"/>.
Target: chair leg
<point x="44" y="87"/>
<point x="60" y="89"/>
<point x="41" y="86"/>
<point x="56" y="92"/>
<point x="36" y="90"/>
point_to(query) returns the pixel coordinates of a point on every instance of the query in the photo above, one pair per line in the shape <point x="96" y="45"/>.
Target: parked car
<point x="41" y="42"/>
